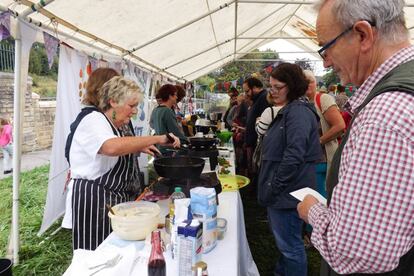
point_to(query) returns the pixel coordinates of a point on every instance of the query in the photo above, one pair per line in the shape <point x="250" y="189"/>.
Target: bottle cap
<point x="177" y="189"/>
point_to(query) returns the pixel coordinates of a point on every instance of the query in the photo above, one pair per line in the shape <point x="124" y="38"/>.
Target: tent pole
<point x="122" y="51"/>
<point x="235" y="29"/>
<point x="225" y="5"/>
<point x="17" y="122"/>
<point x="270" y="52"/>
<point x="273" y="59"/>
<point x="218" y="60"/>
<point x="196" y="55"/>
<point x="289" y="17"/>
<point x="277" y="37"/>
<point x="219" y="44"/>
<point x="247" y="45"/>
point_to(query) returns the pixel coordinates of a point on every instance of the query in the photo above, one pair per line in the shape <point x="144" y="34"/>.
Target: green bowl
<point x="224" y="136"/>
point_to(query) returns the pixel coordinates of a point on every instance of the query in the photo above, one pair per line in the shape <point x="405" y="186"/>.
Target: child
<point x="6" y="144"/>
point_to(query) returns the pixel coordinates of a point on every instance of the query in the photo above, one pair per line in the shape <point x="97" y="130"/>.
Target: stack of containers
<point x="189" y="246"/>
<point x="204" y="209"/>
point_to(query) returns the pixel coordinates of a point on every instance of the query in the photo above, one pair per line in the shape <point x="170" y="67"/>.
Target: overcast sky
<point x="281" y="45"/>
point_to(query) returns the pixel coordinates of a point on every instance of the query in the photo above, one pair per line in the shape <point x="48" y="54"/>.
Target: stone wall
<point x="39" y="116"/>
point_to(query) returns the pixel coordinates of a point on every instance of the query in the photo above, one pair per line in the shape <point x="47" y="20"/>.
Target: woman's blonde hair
<point x="119" y="90"/>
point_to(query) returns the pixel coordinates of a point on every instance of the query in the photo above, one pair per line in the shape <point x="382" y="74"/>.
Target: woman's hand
<point x="151" y="150"/>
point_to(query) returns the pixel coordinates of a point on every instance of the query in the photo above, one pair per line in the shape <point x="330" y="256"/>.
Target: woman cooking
<point x="163" y="119"/>
<point x="102" y="163"/>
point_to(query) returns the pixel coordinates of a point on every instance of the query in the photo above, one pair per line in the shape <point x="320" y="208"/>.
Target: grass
<point x="51" y="254"/>
<point x="45" y="255"/>
<point x="44" y="86"/>
<point x="261" y="241"/>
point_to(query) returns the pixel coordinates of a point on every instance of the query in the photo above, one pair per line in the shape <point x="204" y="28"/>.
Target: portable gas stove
<point x="166" y="186"/>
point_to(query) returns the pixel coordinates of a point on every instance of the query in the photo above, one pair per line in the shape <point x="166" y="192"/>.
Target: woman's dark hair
<point x="165" y="91"/>
<point x="253" y="82"/>
<point x="293" y="76"/>
<point x="95" y="82"/>
<point x="180" y="93"/>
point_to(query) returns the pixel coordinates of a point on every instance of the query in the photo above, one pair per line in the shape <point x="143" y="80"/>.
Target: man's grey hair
<point x="310" y="76"/>
<point x="386" y="15"/>
<point x="119" y="90"/>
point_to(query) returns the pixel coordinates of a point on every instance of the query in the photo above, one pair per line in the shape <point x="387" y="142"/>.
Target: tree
<point x="240" y="69"/>
<point x="330" y="78"/>
<point x="304" y="63"/>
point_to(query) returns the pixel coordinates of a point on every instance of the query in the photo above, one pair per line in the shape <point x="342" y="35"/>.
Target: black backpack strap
<point x="84" y="111"/>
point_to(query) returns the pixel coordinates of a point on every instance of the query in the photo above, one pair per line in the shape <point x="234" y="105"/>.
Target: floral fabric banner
<point x="4" y="25"/>
<point x="51" y="45"/>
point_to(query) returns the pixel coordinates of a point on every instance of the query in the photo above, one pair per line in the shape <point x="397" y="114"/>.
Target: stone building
<point x="38" y="116"/>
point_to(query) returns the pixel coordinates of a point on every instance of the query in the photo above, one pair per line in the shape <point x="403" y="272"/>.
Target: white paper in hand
<point x="301" y="193"/>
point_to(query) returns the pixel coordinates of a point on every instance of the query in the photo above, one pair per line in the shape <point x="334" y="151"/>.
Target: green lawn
<point x="261" y="242"/>
<point x="51" y="255"/>
<point x="44" y="86"/>
<point x="38" y="256"/>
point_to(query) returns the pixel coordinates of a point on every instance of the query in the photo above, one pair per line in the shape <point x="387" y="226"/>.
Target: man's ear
<point x="366" y="35"/>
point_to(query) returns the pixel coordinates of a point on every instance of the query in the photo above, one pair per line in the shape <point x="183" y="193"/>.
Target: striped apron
<point x="90" y="219"/>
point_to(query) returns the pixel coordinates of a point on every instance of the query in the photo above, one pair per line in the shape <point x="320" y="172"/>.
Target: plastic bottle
<point x="156" y="263"/>
<point x="176" y="195"/>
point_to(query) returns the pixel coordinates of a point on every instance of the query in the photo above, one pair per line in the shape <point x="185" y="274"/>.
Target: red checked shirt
<point x="369" y="224"/>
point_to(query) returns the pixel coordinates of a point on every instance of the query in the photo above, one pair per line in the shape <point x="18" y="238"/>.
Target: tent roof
<point x="182" y="39"/>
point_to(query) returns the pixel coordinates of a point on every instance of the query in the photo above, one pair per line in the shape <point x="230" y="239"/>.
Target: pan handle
<point x="169" y="137"/>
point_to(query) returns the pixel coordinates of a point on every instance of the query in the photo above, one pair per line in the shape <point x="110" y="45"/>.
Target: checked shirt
<point x="369" y="224"/>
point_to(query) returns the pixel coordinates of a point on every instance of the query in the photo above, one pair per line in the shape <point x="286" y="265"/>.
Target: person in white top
<point x="266" y="118"/>
<point x="103" y="167"/>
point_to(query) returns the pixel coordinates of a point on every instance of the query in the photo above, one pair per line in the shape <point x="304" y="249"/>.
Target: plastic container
<point x="221" y="228"/>
<point x="204" y="208"/>
<point x="5" y="267"/>
<point x="177" y="194"/>
<point x="134" y="220"/>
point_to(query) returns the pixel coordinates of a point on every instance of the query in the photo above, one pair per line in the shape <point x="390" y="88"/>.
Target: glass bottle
<point x="156" y="263"/>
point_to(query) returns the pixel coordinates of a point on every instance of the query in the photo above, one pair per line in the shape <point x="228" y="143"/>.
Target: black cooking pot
<point x="179" y="167"/>
<point x="202" y="142"/>
<point x="205" y="129"/>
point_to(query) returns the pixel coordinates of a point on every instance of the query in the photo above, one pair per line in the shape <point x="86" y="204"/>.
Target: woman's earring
<point x="113" y="115"/>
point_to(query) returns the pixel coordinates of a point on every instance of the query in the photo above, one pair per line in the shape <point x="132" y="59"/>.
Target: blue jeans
<point x="286" y="227"/>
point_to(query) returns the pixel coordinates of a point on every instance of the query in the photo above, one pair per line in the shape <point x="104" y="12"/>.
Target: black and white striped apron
<point x="90" y="221"/>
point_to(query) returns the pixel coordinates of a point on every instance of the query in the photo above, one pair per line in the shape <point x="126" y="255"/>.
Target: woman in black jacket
<point x="290" y="151"/>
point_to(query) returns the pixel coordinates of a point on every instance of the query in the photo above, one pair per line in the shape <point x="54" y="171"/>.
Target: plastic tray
<point x="231" y="182"/>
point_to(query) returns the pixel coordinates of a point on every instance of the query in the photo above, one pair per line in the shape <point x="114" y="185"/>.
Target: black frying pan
<point x="202" y="142"/>
<point x="179" y="167"/>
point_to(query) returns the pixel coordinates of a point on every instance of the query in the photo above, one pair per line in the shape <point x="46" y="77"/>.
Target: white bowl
<point x="134" y="220"/>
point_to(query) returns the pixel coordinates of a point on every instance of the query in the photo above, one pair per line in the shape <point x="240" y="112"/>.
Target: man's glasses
<point x="275" y="88"/>
<point x="322" y="51"/>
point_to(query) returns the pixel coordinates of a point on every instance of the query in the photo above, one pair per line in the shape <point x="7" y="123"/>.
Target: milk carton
<point x="204" y="208"/>
<point x="189" y="246"/>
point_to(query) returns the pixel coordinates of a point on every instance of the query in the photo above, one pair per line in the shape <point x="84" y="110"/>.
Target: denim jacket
<point x="290" y="151"/>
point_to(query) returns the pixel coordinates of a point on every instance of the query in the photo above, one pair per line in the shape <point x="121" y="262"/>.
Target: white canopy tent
<point x="180" y="39"/>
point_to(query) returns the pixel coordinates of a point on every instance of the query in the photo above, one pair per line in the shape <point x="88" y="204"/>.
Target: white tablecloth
<point x="231" y="256"/>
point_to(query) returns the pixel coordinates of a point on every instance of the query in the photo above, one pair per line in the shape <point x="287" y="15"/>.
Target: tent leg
<point x="9" y="252"/>
<point x="17" y="142"/>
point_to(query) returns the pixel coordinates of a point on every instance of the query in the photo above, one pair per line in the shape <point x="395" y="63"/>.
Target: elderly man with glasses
<point x="368" y="225"/>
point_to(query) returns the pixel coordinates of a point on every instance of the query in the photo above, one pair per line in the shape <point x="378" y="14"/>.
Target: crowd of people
<point x="283" y="134"/>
